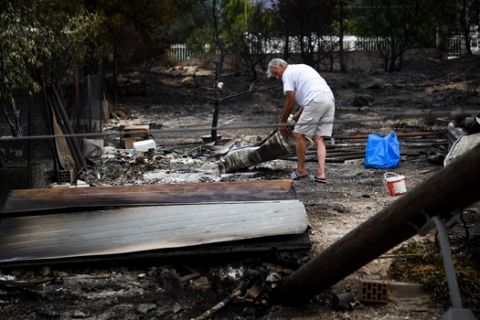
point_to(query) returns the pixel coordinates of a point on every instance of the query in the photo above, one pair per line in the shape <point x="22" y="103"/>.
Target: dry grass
<point x="422" y="263"/>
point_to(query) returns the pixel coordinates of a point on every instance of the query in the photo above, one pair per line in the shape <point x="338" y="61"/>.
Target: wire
<point x="122" y="133"/>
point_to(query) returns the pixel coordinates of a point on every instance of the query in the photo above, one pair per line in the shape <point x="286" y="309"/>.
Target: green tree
<point x="18" y="58"/>
<point x="136" y="31"/>
<point x="262" y="37"/>
<point x="395" y="24"/>
<point x="195" y="28"/>
<point x="190" y="23"/>
<point x="310" y="22"/>
<point x="201" y="40"/>
<point x="249" y="32"/>
<point x="343" y="26"/>
<point x="439" y="23"/>
<point x="42" y="42"/>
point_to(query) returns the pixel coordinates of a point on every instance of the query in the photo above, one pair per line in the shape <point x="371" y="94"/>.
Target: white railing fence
<point x="454" y="46"/>
<point x="180" y="52"/>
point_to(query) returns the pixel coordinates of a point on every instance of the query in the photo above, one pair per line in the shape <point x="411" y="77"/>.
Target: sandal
<point x="296" y="176"/>
<point x="318" y="179"/>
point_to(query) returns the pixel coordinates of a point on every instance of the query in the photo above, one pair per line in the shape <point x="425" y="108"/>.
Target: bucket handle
<point x="390" y="174"/>
<point x="386" y="175"/>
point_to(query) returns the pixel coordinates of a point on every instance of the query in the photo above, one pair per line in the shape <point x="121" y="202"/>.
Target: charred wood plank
<point x="35" y="200"/>
<point x="399" y="134"/>
<point x="329" y="159"/>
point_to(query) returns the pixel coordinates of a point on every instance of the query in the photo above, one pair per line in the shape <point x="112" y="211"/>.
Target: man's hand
<point x="287" y="109"/>
<point x="298" y="114"/>
<point x="284" y="129"/>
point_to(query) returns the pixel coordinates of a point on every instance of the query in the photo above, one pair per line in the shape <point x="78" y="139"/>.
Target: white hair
<point x="276" y="63"/>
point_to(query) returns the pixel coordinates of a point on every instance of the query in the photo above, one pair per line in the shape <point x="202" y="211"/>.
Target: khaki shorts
<point x="317" y="118"/>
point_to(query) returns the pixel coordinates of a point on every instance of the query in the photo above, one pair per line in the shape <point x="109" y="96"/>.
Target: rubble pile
<point x="162" y="291"/>
<point x="123" y="166"/>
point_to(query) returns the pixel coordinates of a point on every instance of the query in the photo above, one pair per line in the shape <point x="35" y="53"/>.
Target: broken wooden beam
<point x="451" y="188"/>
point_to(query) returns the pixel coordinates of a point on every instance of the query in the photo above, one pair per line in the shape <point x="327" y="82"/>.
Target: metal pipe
<point x="453" y="288"/>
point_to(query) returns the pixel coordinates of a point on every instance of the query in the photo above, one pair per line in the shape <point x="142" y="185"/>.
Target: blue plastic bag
<point x="382" y="152"/>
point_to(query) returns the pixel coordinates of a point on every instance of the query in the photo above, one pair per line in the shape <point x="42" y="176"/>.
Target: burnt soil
<point x="425" y="96"/>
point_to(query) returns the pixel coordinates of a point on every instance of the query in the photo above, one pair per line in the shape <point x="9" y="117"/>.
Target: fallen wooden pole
<point x="451" y="188"/>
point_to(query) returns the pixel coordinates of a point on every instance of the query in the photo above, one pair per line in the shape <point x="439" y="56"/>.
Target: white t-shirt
<point x="305" y="82"/>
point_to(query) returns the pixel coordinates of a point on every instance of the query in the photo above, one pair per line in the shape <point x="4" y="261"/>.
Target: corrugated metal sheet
<point x="140" y="229"/>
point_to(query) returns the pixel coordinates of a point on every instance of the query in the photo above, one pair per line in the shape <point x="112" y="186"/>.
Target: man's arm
<point x="298" y="114"/>
<point x="287" y="109"/>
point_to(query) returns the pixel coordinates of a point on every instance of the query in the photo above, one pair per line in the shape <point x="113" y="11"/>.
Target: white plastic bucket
<point x="144" y="146"/>
<point x="395" y="183"/>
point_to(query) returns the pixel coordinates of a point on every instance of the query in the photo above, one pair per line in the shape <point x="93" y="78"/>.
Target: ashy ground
<point x="424" y="97"/>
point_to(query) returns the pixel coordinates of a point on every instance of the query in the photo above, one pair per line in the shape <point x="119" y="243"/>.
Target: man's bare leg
<point x="321" y="155"/>
<point x="301" y="150"/>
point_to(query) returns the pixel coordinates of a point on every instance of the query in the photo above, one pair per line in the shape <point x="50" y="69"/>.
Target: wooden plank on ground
<point x="139" y="229"/>
<point x="31" y="200"/>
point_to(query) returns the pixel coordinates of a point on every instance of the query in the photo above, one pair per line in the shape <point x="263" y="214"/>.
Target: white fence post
<point x="454" y="46"/>
<point x="179" y="51"/>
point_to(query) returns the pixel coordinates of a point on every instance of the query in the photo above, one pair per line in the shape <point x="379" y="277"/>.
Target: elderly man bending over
<point x="303" y="85"/>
